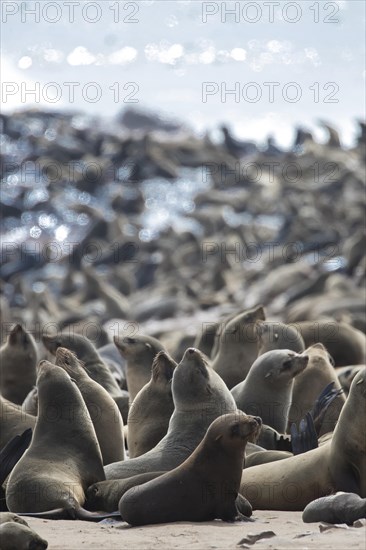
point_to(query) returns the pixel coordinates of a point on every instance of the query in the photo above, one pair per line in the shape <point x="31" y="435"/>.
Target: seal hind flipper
<point x="74" y="512"/>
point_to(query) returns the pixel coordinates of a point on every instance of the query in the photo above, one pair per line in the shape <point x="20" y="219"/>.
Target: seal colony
<point x="211" y="388"/>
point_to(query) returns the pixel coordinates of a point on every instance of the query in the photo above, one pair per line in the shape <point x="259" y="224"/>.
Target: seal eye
<point x="130" y="340"/>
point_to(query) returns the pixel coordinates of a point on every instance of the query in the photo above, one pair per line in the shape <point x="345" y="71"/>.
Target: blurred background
<point x="169" y="48"/>
<point x="136" y="187"/>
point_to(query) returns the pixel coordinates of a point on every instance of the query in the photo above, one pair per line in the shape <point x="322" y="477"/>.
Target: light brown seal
<point x="237" y="346"/>
<point x="18" y="361"/>
<point x="149" y="414"/>
<point x="64" y="457"/>
<point x="278" y="336"/>
<point x="199" y="396"/>
<point x="337" y="465"/>
<point x="139" y="352"/>
<point x="104" y="413"/>
<point x="93" y="363"/>
<point x="204" y="487"/>
<point x="267" y="389"/>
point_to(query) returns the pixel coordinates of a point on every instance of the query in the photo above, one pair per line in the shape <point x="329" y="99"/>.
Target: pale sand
<point x="291" y="534"/>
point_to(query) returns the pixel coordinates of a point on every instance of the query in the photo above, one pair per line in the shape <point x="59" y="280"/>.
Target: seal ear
<point x="149" y="346"/>
<point x="218" y="437"/>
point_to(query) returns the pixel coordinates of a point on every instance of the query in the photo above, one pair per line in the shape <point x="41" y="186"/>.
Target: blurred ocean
<point x="160" y="53"/>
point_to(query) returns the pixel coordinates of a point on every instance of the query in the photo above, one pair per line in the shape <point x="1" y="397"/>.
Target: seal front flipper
<point x="327" y="396"/>
<point x="12" y="452"/>
<point x="306" y="438"/>
<point x="243" y="505"/>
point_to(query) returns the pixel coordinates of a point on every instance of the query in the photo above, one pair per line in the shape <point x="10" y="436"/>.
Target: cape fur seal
<point x="64" y="457"/>
<point x="93" y="363"/>
<point x="309" y="384"/>
<point x="278" y="336"/>
<point x="104" y="413"/>
<point x="139" y="353"/>
<point x="199" y="396"/>
<point x="237" y="346"/>
<point x="205" y="338"/>
<point x="150" y="412"/>
<point x="347" y="374"/>
<point x="346" y="344"/>
<point x="267" y="389"/>
<point x="18" y="361"/>
<point x="338" y="508"/>
<point x="19" y="536"/>
<point x="6" y="517"/>
<point x="204" y="487"/>
<point x="337" y="465"/>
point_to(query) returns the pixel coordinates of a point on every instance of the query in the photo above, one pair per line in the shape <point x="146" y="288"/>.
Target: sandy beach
<point x="289" y="533"/>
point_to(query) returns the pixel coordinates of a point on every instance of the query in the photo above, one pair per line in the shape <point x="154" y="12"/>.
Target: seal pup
<point x="309" y="384"/>
<point x="339" y="508"/>
<point x="18" y="361"/>
<point x="93" y="363"/>
<point x="278" y="336"/>
<point x="237" y="346"/>
<point x="337" y="465"/>
<point x="64" y="457"/>
<point x="139" y="352"/>
<point x="204" y="487"/>
<point x="104" y="413"/>
<point x="267" y="389"/>
<point x="17" y="536"/>
<point x="199" y="396"/>
<point x="149" y="414"/>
